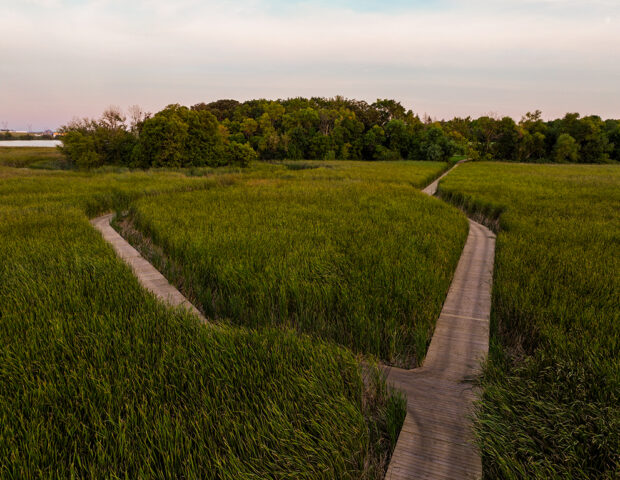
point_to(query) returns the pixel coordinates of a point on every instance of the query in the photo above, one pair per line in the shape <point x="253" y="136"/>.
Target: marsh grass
<point x="100" y="380"/>
<point x="33" y="157"/>
<point x="366" y="265"/>
<point x="551" y="402"/>
<point x="414" y="173"/>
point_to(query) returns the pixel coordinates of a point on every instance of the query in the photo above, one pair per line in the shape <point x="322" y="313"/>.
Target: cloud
<point x="447" y="58"/>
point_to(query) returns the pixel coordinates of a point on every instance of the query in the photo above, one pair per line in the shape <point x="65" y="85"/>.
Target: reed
<point x="550" y="407"/>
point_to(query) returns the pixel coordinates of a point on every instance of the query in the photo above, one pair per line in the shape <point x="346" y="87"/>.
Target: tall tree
<point x="566" y="149"/>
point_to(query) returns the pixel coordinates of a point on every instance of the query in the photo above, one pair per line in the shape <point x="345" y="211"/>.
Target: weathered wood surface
<point x="147" y="274"/>
<point x="436" y="440"/>
<point x="431" y="188"/>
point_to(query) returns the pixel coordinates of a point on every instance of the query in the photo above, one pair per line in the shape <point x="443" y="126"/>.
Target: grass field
<point x="551" y="403"/>
<point x="413" y="173"/>
<point x="32" y="157"/>
<point x="416" y="174"/>
<point x="99" y="380"/>
<point x="364" y="264"/>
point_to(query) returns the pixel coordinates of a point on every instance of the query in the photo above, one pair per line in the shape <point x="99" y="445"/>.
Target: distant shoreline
<point x="30" y="143"/>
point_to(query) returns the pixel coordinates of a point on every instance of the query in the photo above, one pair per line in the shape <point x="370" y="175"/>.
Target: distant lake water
<point x="29" y="143"/>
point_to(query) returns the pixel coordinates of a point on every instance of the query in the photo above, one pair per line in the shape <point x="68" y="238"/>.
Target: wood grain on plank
<point x="436" y="441"/>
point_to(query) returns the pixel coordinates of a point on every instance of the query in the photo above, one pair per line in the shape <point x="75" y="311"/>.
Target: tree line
<point x="228" y="132"/>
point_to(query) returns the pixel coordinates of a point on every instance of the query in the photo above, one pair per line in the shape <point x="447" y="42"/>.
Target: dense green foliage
<point x="551" y="403"/>
<point x="338" y="128"/>
<point x="569" y="139"/>
<point x="228" y="132"/>
<point x="173" y="137"/>
<point x="99" y="380"/>
<point x="32" y="157"/>
<point x="367" y="264"/>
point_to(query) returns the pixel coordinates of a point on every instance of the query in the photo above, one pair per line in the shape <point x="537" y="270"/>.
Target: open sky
<point x="65" y="58"/>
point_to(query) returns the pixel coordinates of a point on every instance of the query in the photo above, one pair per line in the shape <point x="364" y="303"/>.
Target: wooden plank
<point x="436" y="441"/>
<point x="147" y="274"/>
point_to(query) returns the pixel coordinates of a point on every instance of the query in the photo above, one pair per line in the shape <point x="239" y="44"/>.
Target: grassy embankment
<point x="99" y="380"/>
<point x="321" y="250"/>
<point x="32" y="157"/>
<point x="551" y="403"/>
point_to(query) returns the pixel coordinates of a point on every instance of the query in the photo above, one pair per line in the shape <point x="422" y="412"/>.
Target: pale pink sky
<point x="66" y="58"/>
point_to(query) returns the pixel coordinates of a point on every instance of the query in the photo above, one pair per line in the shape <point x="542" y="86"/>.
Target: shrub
<point x="240" y="154"/>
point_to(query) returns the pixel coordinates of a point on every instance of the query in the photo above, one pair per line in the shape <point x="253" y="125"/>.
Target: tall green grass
<point x="414" y="173"/>
<point x="364" y="264"/>
<point x="551" y="403"/>
<point x="99" y="380"/>
<point x="96" y="192"/>
<point x="32" y="157"/>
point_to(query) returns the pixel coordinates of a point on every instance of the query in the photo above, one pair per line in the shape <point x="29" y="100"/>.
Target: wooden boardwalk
<point x="147" y="274"/>
<point x="436" y="440"/>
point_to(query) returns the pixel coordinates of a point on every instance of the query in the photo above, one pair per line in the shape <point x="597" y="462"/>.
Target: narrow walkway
<point x="436" y="440"/>
<point x="431" y="189"/>
<point x="147" y="274"/>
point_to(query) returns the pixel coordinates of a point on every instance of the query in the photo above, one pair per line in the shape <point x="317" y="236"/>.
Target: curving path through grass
<point x="147" y="274"/>
<point x="436" y="440"/>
